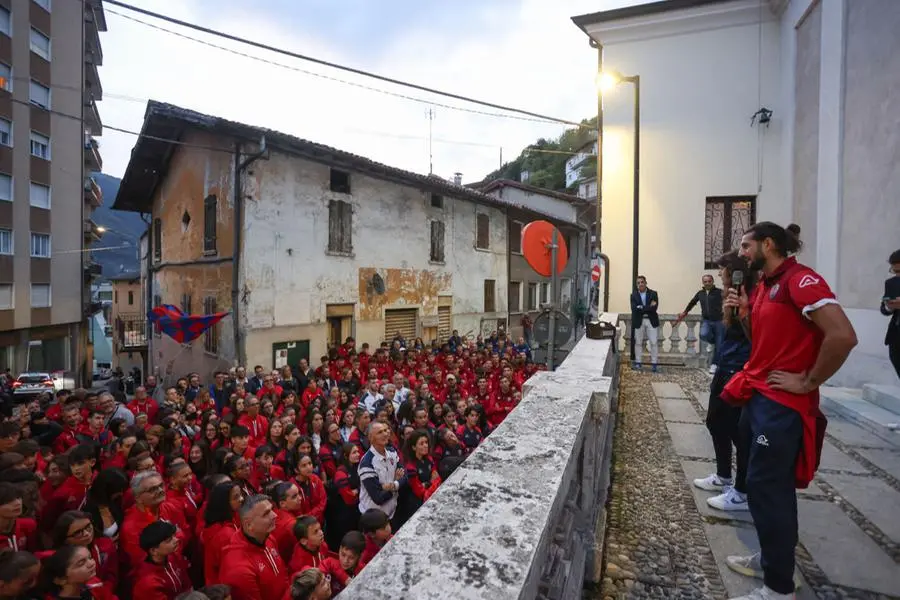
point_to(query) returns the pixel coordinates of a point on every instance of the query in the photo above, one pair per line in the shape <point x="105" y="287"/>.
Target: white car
<point x="29" y="385"/>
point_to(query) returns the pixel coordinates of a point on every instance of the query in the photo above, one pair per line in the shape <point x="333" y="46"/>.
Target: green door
<point x="289" y="353"/>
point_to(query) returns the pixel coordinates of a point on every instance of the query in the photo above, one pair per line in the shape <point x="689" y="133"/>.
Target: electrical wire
<point x="517" y="111"/>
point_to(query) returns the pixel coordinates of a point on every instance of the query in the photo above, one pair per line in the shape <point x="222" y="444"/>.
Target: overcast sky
<point x="523" y="53"/>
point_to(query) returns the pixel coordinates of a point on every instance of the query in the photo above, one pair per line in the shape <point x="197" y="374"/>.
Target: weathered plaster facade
<point x="289" y="278"/>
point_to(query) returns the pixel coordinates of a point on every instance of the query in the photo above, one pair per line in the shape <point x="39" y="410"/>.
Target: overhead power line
<point x="330" y="64"/>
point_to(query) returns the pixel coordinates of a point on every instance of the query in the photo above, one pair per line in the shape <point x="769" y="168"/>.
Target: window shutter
<point x="157" y="239"/>
<point x="482" y="231"/>
<point x="437" y="241"/>
<point x="346" y="227"/>
<point x="209" y="223"/>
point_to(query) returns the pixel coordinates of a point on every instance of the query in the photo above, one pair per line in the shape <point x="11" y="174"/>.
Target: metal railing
<point x="130" y="332"/>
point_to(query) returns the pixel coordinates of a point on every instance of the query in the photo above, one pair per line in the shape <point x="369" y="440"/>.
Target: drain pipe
<point x="605" y="260"/>
<point x="239" y="167"/>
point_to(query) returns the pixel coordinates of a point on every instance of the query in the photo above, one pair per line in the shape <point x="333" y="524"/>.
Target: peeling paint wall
<point x="288" y="277"/>
<point x="184" y="267"/>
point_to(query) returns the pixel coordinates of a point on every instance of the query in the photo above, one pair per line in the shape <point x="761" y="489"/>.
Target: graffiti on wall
<point x="379" y="288"/>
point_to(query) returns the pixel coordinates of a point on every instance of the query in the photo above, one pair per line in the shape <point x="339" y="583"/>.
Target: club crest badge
<point x="774" y="291"/>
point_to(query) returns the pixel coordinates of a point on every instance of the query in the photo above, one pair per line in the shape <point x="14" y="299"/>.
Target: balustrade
<point x="679" y="344"/>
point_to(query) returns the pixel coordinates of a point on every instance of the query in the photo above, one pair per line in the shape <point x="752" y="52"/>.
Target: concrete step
<point x="885" y="396"/>
<point x="850" y="404"/>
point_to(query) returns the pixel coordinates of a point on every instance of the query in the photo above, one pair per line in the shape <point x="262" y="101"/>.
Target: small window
<point x="40" y="44"/>
<point x="40" y="146"/>
<point x="6" y="79"/>
<point x="340" y="227"/>
<point x="45" y="4"/>
<point x="437" y="241"/>
<point x="727" y="219"/>
<point x="340" y="181"/>
<point x="482" y="231"/>
<point x="6" y="296"/>
<point x="39" y="95"/>
<point x="39" y="195"/>
<point x="5" y="21"/>
<point x="40" y="245"/>
<point x="490" y="301"/>
<point x="130" y="298"/>
<point x="186" y="304"/>
<point x="515" y="296"/>
<point x="209" y="224"/>
<point x="6" y="241"/>
<point x="157" y="239"/>
<point x="211" y="335"/>
<point x="6" y="132"/>
<point x="532" y="300"/>
<point x="437" y="201"/>
<point x="116" y="296"/>
<point x="545" y="293"/>
<point x="515" y="237"/>
<point x="5" y="187"/>
<point x="40" y="295"/>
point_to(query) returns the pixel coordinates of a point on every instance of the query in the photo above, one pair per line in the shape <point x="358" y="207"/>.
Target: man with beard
<point x="800" y="337"/>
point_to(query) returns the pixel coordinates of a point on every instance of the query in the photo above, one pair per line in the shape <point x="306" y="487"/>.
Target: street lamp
<point x="607" y="81"/>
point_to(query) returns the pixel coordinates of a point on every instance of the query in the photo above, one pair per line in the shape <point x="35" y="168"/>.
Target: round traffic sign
<point x="595" y="273"/>
<point x="536" y="239"/>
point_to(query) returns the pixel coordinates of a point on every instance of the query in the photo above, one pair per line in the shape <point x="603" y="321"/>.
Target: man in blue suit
<point x="645" y="321"/>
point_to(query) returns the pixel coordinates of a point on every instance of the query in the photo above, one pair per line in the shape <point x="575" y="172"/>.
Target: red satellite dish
<point x="536" y="239"/>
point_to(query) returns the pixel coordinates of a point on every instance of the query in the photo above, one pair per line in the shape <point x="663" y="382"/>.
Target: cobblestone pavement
<point x="664" y="541"/>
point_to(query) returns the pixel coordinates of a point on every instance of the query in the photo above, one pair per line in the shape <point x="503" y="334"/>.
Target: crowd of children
<point x="248" y="487"/>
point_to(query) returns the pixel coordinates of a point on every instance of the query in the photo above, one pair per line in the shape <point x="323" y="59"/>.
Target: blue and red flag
<point x="181" y="327"/>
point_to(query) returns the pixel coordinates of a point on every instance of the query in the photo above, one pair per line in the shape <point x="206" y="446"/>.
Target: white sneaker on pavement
<point x="712" y="483"/>
<point x="748" y="566"/>
<point x="764" y="593"/>
<point x="730" y="500"/>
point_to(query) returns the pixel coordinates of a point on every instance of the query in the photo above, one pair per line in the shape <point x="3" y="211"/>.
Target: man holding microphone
<point x="800" y="337"/>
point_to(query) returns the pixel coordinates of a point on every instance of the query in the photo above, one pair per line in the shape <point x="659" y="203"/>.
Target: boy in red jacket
<point x="345" y="567"/>
<point x="164" y="574"/>
<point x="72" y="494"/>
<point x="311" y="549"/>
<point x="16" y="532"/>
<point x="376" y="526"/>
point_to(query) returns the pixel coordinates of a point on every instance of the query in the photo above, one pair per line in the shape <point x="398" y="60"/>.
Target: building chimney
<point x="457" y="178"/>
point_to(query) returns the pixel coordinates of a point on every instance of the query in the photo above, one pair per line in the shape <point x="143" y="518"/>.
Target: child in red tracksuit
<point x="376" y="526"/>
<point x="164" y="574"/>
<point x="311" y="549"/>
<point x="16" y="532"/>
<point x="347" y="564"/>
<point x="70" y="572"/>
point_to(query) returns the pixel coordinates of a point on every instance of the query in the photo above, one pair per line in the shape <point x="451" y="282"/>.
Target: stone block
<point x="667" y="389"/>
<point x="702" y="397"/>
<point x="876" y="500"/>
<point x="854" y="435"/>
<point x="883" y="459"/>
<point x="846" y="555"/>
<point x="678" y="410"/>
<point x="885" y="396"/>
<point x="691" y="441"/>
<point x="835" y="460"/>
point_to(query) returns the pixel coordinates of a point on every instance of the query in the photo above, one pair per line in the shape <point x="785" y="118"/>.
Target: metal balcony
<point x="92" y="122"/>
<point x="130" y="333"/>
<point x="92" y="160"/>
<point x="92" y="192"/>
<point x="91" y="231"/>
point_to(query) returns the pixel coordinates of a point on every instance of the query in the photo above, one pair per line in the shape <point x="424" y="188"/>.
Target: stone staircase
<point x="875" y="407"/>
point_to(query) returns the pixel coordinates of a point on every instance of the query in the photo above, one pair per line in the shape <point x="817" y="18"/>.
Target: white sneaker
<point x="748" y="566"/>
<point x="730" y="500"/>
<point x="764" y="593"/>
<point x="712" y="483"/>
<point x="713" y="369"/>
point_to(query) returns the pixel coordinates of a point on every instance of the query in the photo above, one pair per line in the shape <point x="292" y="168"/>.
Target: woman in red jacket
<point x="330" y="450"/>
<point x="421" y="473"/>
<point x="222" y="523"/>
<point x="286" y="498"/>
<point x="312" y="490"/>
<point x="343" y="506"/>
<point x="75" y="528"/>
<point x="70" y="572"/>
<point x="164" y="574"/>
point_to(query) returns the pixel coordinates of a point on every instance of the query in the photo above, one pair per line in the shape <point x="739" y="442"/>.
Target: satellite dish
<point x="536" y="239"/>
<point x="377" y="284"/>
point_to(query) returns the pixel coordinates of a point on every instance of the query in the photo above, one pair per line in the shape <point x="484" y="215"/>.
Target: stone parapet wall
<point x="523" y="516"/>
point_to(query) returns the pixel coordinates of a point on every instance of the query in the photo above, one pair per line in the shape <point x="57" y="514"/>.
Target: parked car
<point x="28" y="385"/>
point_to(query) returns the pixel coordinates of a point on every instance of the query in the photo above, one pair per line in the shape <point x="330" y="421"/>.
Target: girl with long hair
<point x="342" y="513"/>
<point x="71" y="573"/>
<point x="222" y="522"/>
<point x="76" y="528"/>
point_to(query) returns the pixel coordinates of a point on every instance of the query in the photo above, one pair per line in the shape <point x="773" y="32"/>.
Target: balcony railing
<point x="678" y="344"/>
<point x="130" y="333"/>
<point x="92" y="120"/>
<point x="92" y="192"/>
<point x="92" y="158"/>
<point x="91" y="231"/>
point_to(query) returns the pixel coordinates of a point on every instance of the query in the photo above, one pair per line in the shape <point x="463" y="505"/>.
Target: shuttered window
<point x="482" y="231"/>
<point x="490" y="303"/>
<point x="515" y="295"/>
<point x="211" y="335"/>
<point x="515" y="237"/>
<point x="209" y="224"/>
<point x="157" y="239"/>
<point x="186" y="304"/>
<point x="403" y="320"/>
<point x="340" y="220"/>
<point x="437" y="241"/>
<point x="445" y="323"/>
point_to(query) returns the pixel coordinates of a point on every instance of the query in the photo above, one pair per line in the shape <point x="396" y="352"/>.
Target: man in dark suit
<point x="890" y="307"/>
<point x="645" y="321"/>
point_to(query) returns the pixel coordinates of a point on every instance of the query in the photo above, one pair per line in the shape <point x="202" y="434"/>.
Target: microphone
<point x="737" y="280"/>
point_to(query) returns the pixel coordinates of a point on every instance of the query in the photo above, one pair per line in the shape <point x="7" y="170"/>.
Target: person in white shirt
<point x="371" y="398"/>
<point x="380" y="473"/>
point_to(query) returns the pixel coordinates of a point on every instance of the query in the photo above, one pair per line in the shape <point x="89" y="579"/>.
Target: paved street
<point x="664" y="541"/>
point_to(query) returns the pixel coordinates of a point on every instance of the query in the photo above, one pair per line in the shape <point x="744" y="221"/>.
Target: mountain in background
<point x="124" y="230"/>
<point x="545" y="160"/>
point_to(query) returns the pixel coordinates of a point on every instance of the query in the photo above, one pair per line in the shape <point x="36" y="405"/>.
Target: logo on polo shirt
<point x="774" y="291"/>
<point x="807" y="280"/>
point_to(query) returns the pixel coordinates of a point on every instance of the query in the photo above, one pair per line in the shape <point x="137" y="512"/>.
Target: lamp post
<point x="607" y="81"/>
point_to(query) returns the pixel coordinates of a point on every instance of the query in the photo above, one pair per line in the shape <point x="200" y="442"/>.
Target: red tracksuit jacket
<point x="253" y="570"/>
<point x="162" y="582"/>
